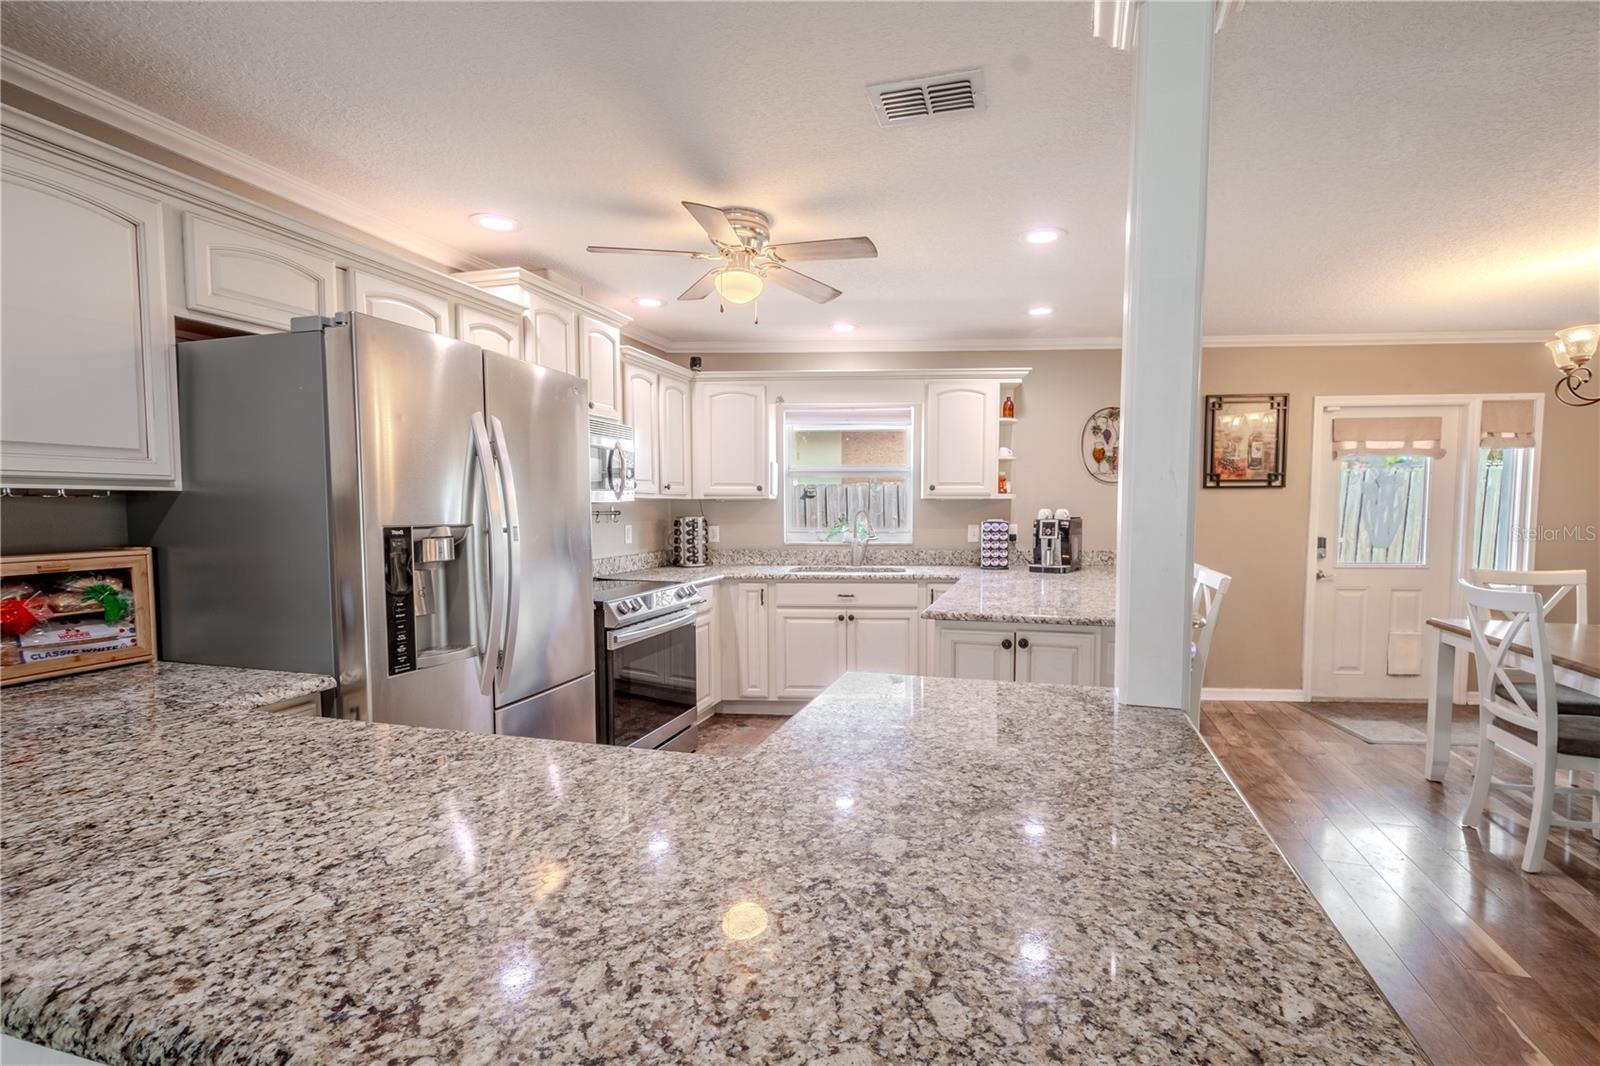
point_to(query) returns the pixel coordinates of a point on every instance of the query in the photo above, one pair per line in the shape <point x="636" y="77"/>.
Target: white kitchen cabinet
<point x="752" y="638"/>
<point x="961" y="439"/>
<point x="395" y="300"/>
<point x="86" y="342"/>
<point x="640" y="394"/>
<point x="551" y="337"/>
<point x="811" y="646"/>
<point x="490" y="331"/>
<point x="673" y="437"/>
<point x="930" y="628"/>
<point x="600" y="344"/>
<point x="707" y="657"/>
<point x="1058" y="657"/>
<point x="883" y="642"/>
<point x="976" y="654"/>
<point x="234" y="272"/>
<point x="732" y="432"/>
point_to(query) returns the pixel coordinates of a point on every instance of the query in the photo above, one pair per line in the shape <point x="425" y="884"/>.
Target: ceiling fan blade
<point x="702" y="288"/>
<point x="810" y="288"/>
<point x="714" y="222"/>
<point x="651" y="251"/>
<point x="838" y="248"/>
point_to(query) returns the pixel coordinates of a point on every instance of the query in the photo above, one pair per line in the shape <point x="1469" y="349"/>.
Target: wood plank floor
<point x="1483" y="963"/>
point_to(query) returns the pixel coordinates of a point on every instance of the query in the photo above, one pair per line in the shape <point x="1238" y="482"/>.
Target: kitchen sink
<point x="846" y="568"/>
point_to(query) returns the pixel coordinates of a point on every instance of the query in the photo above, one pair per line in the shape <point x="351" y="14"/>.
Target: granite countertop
<point x="912" y="869"/>
<point x="1086" y="597"/>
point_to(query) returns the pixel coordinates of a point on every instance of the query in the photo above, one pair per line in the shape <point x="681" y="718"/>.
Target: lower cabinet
<point x="811" y="650"/>
<point x="823" y="630"/>
<point x="1057" y="655"/>
<point x="707" y="657"/>
<point x="751" y="641"/>
<point x="930" y="629"/>
<point x="882" y="642"/>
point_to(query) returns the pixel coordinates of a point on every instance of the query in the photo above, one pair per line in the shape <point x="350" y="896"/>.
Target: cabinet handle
<point x="761" y="488"/>
<point x="841" y="618"/>
<point x="1006" y="644"/>
<point x="852" y="618"/>
<point x="930" y="487"/>
<point x="845" y="595"/>
<point x="1022" y="642"/>
<point x="763" y="593"/>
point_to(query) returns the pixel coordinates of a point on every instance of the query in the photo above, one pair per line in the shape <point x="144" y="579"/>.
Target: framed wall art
<point x="1245" y="441"/>
<point x="1102" y="438"/>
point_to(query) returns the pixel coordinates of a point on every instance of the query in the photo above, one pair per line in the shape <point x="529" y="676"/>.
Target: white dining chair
<point x="1210" y="586"/>
<point x="1525" y="719"/>
<point x="1564" y="583"/>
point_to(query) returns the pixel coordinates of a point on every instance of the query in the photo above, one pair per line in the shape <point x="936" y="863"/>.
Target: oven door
<point x="611" y="470"/>
<point x="650" y="679"/>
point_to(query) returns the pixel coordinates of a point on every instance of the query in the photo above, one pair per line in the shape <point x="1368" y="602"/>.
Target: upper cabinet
<point x="551" y="339"/>
<point x="89" y="397"/>
<point x="491" y="332"/>
<point x="236" y="273"/>
<point x="673" y="433"/>
<point x="732" y="441"/>
<point x="396" y="301"/>
<point x="961" y="439"/>
<point x="600" y="344"/>
<point x="640" y="394"/>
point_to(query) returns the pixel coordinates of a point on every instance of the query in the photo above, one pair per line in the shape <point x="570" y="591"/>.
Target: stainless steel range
<point x="645" y="676"/>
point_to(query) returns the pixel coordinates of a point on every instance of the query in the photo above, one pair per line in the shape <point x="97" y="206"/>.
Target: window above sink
<point x="839" y="461"/>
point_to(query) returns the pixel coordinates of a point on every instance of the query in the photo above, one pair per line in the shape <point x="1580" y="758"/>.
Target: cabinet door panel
<point x="397" y="302"/>
<point x="602" y="367"/>
<point x="976" y="654"/>
<point x="639" y="386"/>
<point x="1058" y="658"/>
<point x="553" y="337"/>
<point x="930" y="630"/>
<point x="884" y="642"/>
<point x="236" y="273"/>
<point x="672" y="431"/>
<point x="85" y="332"/>
<point x="730" y="428"/>
<point x="704" y="665"/>
<point x="961" y="435"/>
<point x="489" y="331"/>
<point x="751" y="636"/>
<point x="811" y="649"/>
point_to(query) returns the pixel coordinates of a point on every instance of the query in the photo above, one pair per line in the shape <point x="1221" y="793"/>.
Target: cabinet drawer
<point x="846" y="594"/>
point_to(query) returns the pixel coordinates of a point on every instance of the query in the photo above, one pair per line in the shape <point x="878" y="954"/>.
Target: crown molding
<point x="74" y="93"/>
<point x="1006" y="375"/>
<point x="1071" y="344"/>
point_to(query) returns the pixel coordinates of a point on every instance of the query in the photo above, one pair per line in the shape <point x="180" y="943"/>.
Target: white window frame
<point x="907" y="471"/>
<point x="1517" y="521"/>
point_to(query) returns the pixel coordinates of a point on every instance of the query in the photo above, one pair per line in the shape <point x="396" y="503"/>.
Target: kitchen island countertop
<point x="912" y="869"/>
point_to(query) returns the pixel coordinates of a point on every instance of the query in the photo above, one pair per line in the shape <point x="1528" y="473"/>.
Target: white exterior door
<point x="1385" y="532"/>
<point x="961" y="439"/>
<point x="672" y="426"/>
<point x="883" y="642"/>
<point x="639" y="386"/>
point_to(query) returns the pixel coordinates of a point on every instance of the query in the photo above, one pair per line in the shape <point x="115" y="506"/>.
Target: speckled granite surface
<point x="913" y="869"/>
<point x="1086" y="597"/>
<point x="786" y="572"/>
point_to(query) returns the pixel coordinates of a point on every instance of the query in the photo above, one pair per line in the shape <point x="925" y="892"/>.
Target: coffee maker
<point x="1057" y="543"/>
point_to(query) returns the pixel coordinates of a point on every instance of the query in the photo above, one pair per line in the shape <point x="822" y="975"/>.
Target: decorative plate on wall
<point x="1102" y="437"/>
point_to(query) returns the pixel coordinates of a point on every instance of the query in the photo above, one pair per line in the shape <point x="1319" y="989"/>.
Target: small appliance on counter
<point x="645" y="674"/>
<point x="1057" y="542"/>
<point x="689" y="541"/>
<point x="994" y="544"/>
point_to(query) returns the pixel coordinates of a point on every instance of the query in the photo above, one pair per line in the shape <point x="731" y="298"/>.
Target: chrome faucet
<point x="858" y="536"/>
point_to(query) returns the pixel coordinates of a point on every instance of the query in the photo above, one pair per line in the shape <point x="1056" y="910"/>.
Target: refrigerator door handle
<point x="484" y="450"/>
<point x="508" y="490"/>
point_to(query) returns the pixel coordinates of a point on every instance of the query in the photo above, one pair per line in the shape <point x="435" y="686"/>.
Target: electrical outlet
<point x="627" y="533"/>
<point x="713" y="534"/>
<point x="1012" y="529"/>
<point x="972" y="534"/>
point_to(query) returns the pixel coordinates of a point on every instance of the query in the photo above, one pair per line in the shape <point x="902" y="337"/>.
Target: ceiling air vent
<point x="899" y="103"/>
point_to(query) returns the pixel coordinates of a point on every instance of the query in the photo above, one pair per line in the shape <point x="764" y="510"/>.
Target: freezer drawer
<point x="563" y="713"/>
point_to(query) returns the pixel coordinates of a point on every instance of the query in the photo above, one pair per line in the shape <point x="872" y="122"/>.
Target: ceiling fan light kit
<point x="744" y="260"/>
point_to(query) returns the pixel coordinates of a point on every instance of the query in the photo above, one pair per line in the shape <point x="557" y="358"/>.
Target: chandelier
<point x="1572" y="351"/>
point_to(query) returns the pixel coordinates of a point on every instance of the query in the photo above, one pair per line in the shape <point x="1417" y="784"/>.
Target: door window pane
<point x="1383" y="510"/>
<point x="1502" y="504"/>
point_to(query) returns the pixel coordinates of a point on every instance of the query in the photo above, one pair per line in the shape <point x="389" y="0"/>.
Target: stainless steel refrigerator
<point x="406" y="512"/>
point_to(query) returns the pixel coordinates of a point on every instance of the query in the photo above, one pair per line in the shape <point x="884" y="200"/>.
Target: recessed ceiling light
<point x="647" y="301"/>
<point x="1040" y="310"/>
<point x="844" y="327"/>
<point x="1043" y="235"/>
<point x="498" y="223"/>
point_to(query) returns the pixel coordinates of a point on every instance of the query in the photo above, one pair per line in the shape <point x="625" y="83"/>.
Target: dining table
<point x="1574" y="652"/>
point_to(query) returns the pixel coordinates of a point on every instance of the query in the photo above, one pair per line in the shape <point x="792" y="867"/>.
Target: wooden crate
<point x="135" y="563"/>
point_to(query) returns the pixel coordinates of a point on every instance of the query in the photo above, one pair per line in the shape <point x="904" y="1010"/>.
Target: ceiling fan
<point x="746" y="262"/>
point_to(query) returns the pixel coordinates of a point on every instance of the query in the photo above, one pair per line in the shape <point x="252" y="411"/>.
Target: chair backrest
<point x="1524" y="620"/>
<point x="1564" y="582"/>
<point x="1210" y="586"/>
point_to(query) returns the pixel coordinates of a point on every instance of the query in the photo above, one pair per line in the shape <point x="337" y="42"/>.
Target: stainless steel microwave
<point x="611" y="473"/>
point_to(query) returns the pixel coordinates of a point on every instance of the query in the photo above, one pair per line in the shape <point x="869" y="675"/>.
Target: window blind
<point x="1416" y="435"/>
<point x="1508" y="424"/>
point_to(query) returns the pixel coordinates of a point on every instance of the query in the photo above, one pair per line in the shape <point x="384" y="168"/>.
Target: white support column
<point x="1161" y="351"/>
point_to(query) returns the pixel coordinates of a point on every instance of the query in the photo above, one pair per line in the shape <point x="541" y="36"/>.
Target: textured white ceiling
<point x="1376" y="168"/>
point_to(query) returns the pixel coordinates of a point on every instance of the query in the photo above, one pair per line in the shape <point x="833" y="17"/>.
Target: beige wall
<point x="1260" y="536"/>
<point x="652" y="527"/>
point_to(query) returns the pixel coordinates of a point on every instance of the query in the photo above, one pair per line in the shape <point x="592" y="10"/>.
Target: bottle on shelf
<point x="1008" y="409"/>
<point x="1002" y="484"/>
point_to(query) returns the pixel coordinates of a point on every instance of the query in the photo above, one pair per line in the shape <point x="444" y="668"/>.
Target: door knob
<point x="1323" y="577"/>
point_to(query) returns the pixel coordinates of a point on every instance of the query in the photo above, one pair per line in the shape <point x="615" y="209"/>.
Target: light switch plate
<point x="713" y="534"/>
<point x="1013" y="529"/>
<point x="972" y="534"/>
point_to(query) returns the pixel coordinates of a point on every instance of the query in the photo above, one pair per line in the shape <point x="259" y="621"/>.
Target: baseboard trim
<point x="774" y="707"/>
<point x="1255" y="695"/>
